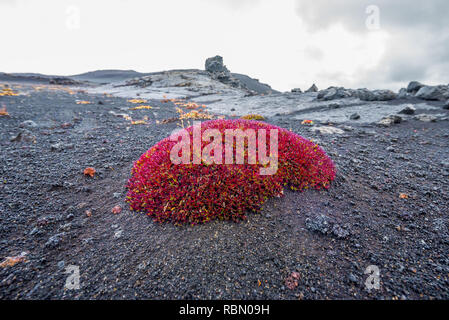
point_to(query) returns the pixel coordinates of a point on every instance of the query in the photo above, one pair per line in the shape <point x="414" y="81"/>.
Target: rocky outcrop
<point x="414" y="86"/>
<point x="333" y="93"/>
<point x="215" y="64"/>
<point x="296" y="90"/>
<point x="218" y="71"/>
<point x="390" y="120"/>
<point x="440" y="92"/>
<point x="404" y="94"/>
<point x="375" y="95"/>
<point x="313" y="88"/>
<point x="409" y="110"/>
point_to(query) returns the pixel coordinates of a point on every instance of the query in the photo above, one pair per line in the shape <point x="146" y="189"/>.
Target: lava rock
<point x="390" y="120"/>
<point x="319" y="223"/>
<point x="24" y="136"/>
<point x="409" y="110"/>
<point x="375" y="95"/>
<point x="333" y="93"/>
<point x="215" y="64"/>
<point x="440" y="92"/>
<point x="55" y="240"/>
<point x="339" y="231"/>
<point x="426" y="118"/>
<point x="353" y="278"/>
<point x="414" y="86"/>
<point x="404" y="94"/>
<point x="313" y="88"/>
<point x="28" y="124"/>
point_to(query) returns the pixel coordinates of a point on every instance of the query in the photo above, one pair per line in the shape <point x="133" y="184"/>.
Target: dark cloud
<point x="418" y="43"/>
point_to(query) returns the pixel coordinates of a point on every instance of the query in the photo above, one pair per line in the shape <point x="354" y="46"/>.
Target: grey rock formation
<point x="296" y="90"/>
<point x="313" y="88"/>
<point x="404" y="94"/>
<point x="215" y="64"/>
<point x="390" y="120"/>
<point x="414" y="86"/>
<point x="218" y="71"/>
<point x="409" y="110"/>
<point x="375" y="95"/>
<point x="440" y="92"/>
<point x="333" y="93"/>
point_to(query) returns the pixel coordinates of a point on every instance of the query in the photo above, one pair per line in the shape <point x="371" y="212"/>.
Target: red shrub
<point x="196" y="193"/>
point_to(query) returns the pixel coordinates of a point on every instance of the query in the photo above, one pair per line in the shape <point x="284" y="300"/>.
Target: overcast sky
<point x="287" y="44"/>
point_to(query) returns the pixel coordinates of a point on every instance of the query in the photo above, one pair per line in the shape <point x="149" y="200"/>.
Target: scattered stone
<point x="81" y="205"/>
<point x="292" y="280"/>
<point x="339" y="231"/>
<point x="61" y="264"/>
<point x="353" y="278"/>
<point x="116" y="195"/>
<point x="66" y="125"/>
<point x="28" y="124"/>
<point x="55" y="240"/>
<point x="116" y="210"/>
<point x="66" y="227"/>
<point x="334" y="106"/>
<point x="318" y="223"/>
<point x="118" y="234"/>
<point x="60" y="146"/>
<point x="426" y="118"/>
<point x="390" y="120"/>
<point x="24" y="136"/>
<point x="35" y="231"/>
<point x="354" y="116"/>
<point x="409" y="110"/>
<point x="327" y="130"/>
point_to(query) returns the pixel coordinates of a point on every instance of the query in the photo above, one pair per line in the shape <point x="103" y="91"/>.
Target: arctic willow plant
<point x="192" y="192"/>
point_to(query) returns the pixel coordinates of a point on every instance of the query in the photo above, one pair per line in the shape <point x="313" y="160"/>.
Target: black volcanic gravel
<point x="328" y="237"/>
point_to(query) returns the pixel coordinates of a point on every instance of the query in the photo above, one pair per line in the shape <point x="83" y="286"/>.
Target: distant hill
<point x="108" y="76"/>
<point x="103" y="76"/>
